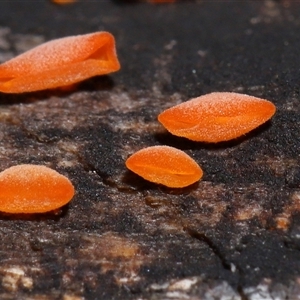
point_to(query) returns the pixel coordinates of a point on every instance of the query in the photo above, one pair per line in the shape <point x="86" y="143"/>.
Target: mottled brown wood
<point x="234" y="234"/>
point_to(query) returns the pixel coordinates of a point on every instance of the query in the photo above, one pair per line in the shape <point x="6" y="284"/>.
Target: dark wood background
<point x="234" y="234"/>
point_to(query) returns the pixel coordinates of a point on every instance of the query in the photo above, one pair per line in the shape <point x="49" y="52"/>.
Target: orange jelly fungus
<point x="165" y="165"/>
<point x="33" y="189"/>
<point x="217" y="117"/>
<point x="60" y="62"/>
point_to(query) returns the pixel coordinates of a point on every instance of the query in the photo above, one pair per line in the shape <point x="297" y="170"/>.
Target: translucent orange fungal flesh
<point x="60" y="62"/>
<point x="217" y="117"/>
<point x="33" y="189"/>
<point x="165" y="165"/>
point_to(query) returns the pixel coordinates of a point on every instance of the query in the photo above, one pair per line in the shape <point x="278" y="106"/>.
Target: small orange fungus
<point x="165" y="165"/>
<point x="33" y="189"/>
<point x="60" y="62"/>
<point x="217" y="117"/>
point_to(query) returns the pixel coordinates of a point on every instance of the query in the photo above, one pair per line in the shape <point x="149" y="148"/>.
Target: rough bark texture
<point x="235" y="234"/>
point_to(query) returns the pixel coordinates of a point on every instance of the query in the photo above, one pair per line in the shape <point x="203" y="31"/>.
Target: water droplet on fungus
<point x="217" y="117"/>
<point x="165" y="165"/>
<point x="33" y="189"/>
<point x="60" y="62"/>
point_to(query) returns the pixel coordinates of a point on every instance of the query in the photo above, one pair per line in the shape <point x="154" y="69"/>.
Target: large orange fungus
<point x="60" y="62"/>
<point x="217" y="117"/>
